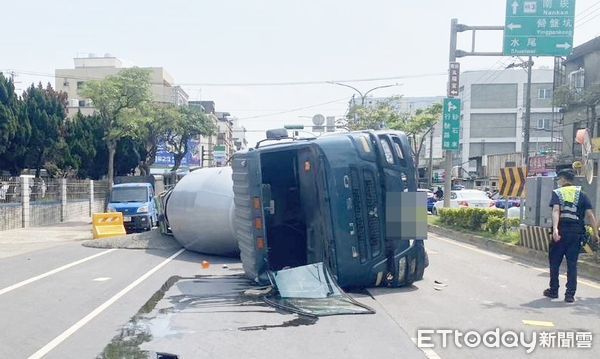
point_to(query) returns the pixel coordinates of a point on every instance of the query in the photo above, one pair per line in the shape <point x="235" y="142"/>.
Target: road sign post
<point x="451" y="124"/>
<point x="539" y="27"/>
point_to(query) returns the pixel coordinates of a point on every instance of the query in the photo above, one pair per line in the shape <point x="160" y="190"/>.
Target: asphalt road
<point x="483" y="291"/>
<point x="70" y="301"/>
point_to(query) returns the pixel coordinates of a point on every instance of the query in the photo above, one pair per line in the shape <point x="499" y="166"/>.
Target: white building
<point x="72" y="81"/>
<point x="239" y="135"/>
<point x="493" y="110"/>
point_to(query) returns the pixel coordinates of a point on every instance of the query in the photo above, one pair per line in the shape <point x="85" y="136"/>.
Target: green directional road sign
<point x="451" y="124"/>
<point x="539" y="27"/>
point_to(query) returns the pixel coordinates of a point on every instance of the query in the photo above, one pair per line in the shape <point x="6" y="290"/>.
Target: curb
<point x="584" y="268"/>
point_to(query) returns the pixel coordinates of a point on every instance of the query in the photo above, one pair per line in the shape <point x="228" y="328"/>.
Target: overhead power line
<point x="294" y="109"/>
<point x="245" y="84"/>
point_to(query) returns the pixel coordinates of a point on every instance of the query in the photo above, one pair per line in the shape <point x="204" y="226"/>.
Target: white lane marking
<point x="75" y="327"/>
<point x="101" y="279"/>
<point x="54" y="271"/>
<point x="429" y="353"/>
<point x="507" y="258"/>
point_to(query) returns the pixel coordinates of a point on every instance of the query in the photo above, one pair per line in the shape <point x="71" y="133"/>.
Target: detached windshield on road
<point x="131" y="194"/>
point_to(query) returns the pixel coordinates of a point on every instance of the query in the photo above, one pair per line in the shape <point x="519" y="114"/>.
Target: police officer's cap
<point x="567" y="174"/>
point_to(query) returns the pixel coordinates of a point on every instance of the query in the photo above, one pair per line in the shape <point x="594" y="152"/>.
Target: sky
<point x="237" y="43"/>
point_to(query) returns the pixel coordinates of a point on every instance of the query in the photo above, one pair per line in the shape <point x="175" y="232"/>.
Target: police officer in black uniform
<point x="570" y="208"/>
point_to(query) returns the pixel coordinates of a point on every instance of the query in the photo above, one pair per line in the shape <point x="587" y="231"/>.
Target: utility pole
<point x="430" y="169"/>
<point x="448" y="153"/>
<point x="527" y="121"/>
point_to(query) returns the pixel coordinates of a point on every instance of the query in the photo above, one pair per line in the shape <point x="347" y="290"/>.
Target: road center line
<point x="54" y="271"/>
<point x="102" y="307"/>
<point x="507" y="258"/>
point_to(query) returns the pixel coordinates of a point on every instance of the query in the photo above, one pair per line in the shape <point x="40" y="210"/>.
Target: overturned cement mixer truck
<point x="347" y="200"/>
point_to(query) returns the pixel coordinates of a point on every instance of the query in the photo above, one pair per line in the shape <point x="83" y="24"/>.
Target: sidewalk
<point x="18" y="241"/>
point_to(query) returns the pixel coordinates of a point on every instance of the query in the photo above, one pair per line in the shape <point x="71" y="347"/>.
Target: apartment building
<point x="493" y="110"/>
<point x="92" y="67"/>
<point x="581" y="75"/>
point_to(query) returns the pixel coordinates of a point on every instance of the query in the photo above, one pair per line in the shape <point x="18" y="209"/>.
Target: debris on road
<point x="145" y="240"/>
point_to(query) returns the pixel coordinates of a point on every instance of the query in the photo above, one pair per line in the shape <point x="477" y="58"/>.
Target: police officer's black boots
<point x="552" y="294"/>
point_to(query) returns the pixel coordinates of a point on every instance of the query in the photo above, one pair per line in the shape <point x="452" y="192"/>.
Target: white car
<point x="466" y="198"/>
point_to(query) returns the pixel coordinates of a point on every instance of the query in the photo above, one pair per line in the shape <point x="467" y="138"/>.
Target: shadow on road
<point x="583" y="305"/>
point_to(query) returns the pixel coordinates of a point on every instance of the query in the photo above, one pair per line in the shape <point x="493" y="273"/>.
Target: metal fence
<point x="44" y="201"/>
<point x="27" y="201"/>
<point x="10" y="203"/>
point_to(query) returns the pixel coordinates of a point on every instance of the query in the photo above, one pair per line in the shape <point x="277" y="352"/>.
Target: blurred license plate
<point x="126" y="219"/>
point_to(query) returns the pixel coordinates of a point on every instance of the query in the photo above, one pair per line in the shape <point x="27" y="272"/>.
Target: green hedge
<point x="476" y="219"/>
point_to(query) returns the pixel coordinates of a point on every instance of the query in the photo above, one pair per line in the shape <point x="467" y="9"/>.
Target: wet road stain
<point x="192" y="295"/>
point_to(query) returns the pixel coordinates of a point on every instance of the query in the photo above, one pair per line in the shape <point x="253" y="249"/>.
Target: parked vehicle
<point x="467" y="198"/>
<point x="134" y="197"/>
<point x="430" y="199"/>
<point x="512" y="202"/>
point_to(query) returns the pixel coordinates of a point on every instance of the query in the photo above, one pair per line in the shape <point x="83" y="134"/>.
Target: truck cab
<point x="327" y="200"/>
<point x="136" y="202"/>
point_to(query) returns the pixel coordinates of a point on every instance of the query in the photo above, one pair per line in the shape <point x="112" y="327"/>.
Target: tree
<point x="14" y="128"/>
<point x="373" y="117"/>
<point x="417" y="127"/>
<point x="383" y="114"/>
<point x="84" y="136"/>
<point x="120" y="102"/>
<point x="188" y="123"/>
<point x="45" y="110"/>
<point x="152" y="128"/>
<point x="130" y="152"/>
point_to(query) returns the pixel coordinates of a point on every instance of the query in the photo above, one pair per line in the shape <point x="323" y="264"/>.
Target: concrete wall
<point x="10" y="216"/>
<point x="537" y="95"/>
<point x="491" y="148"/>
<point x="42" y="214"/>
<point x="488" y="125"/>
<point x="493" y="95"/>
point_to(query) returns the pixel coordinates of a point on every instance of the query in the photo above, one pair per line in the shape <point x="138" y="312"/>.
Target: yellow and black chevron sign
<point x="512" y="181"/>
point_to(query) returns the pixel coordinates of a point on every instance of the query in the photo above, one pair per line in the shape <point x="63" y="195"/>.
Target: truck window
<point x="387" y="150"/>
<point x="399" y="152"/>
<point x="128" y="194"/>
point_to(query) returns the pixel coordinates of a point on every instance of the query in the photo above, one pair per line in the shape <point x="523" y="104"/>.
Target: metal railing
<point x="10" y="203"/>
<point x="26" y="201"/>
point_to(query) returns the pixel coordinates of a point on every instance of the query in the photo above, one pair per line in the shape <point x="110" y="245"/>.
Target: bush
<point x="476" y="219"/>
<point x="494" y="224"/>
<point x="467" y="218"/>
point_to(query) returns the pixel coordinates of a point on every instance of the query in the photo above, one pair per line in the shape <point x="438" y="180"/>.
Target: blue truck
<point x="134" y="197"/>
<point x="330" y="200"/>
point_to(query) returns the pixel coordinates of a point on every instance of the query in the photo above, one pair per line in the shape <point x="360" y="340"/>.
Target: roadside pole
<point x="527" y="124"/>
<point x="430" y="169"/>
<point x="448" y="153"/>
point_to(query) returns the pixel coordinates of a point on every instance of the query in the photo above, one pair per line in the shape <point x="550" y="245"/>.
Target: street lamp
<point x="364" y="96"/>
